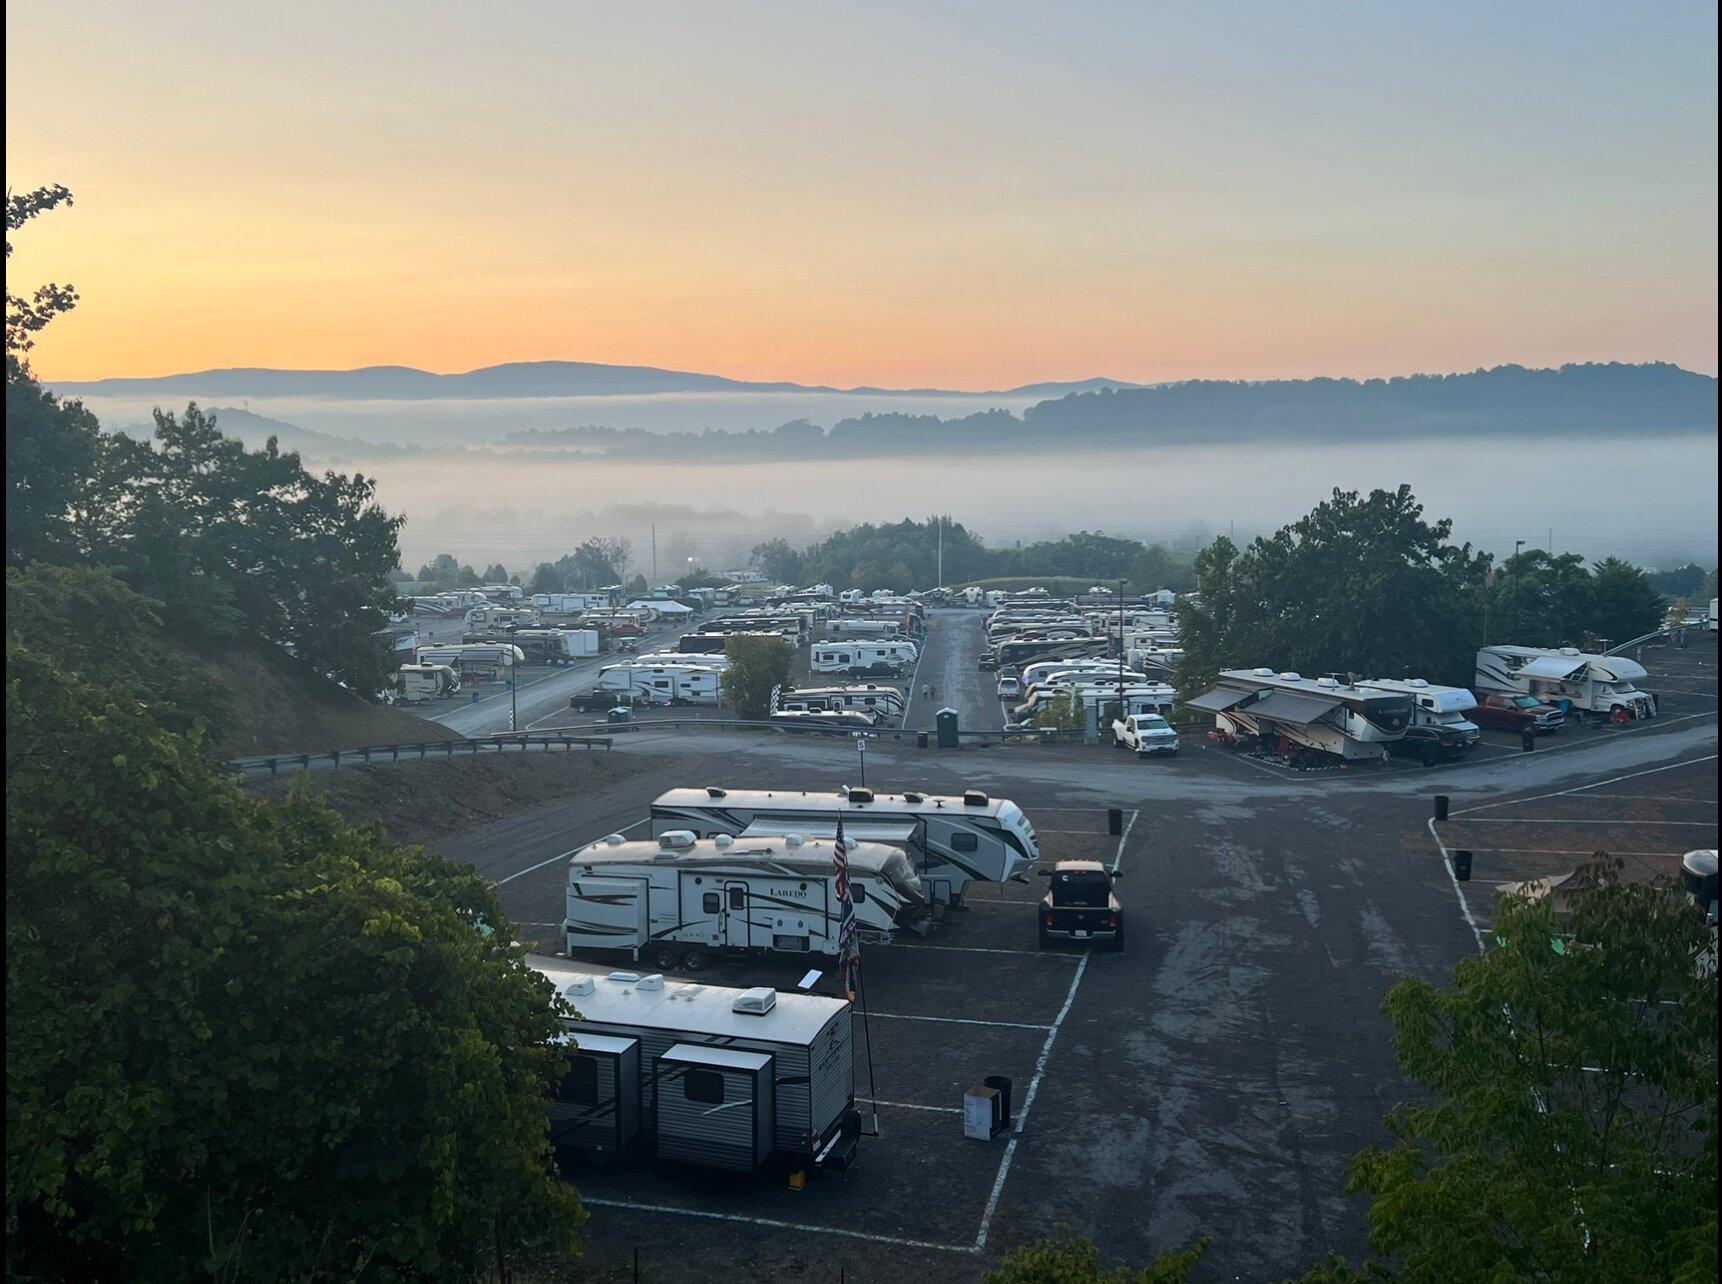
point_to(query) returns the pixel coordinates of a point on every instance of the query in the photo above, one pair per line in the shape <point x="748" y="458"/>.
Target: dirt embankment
<point x="271" y="708"/>
<point x="419" y="802"/>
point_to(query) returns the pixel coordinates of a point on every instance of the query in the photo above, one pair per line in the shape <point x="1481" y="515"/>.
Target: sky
<point x="954" y="195"/>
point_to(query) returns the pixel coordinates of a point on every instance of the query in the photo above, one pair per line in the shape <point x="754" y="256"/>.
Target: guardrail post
<point x="336" y="755"/>
<point x="305" y="761"/>
<point x="274" y="766"/>
<point x="367" y="752"/>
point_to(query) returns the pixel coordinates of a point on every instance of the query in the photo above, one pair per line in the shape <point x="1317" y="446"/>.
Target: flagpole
<point x="849" y="951"/>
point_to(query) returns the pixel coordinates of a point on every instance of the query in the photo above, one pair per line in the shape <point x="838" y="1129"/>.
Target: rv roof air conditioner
<point x="1418" y="682"/>
<point x="676" y="838"/>
<point x="713" y="791"/>
<point x="1569" y="650"/>
<point x="1327" y="682"/>
<point x="653" y="982"/>
<point x="580" y="985"/>
<point x="974" y="798"/>
<point x="623" y="978"/>
<point x="614" y="840"/>
<point x="755" y="1002"/>
<point x="793" y="840"/>
<point x="1291" y="675"/>
<point x="860" y="795"/>
<point x="723" y="840"/>
<point x="1264" y="673"/>
<point x="914" y="798"/>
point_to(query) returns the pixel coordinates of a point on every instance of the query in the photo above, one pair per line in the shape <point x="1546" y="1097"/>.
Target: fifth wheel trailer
<point x="952" y="840"/>
<point x="706" y="1074"/>
<point x="682" y="900"/>
<point x="1325" y="714"/>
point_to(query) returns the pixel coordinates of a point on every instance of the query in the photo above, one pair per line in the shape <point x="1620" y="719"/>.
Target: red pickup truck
<point x="1510" y="712"/>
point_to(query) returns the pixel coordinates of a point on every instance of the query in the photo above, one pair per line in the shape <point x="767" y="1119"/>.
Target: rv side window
<point x="738" y="898"/>
<point x="580" y="1084"/>
<point x="710" y="903"/>
<point x="857" y="893"/>
<point x="703" y="1086"/>
<point x="964" y="842"/>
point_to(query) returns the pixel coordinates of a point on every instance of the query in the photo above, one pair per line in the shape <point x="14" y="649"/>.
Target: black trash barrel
<point x="1440" y="806"/>
<point x="1527" y="740"/>
<point x="1115" y="821"/>
<point x="1462" y="866"/>
<point x="1001" y="1085"/>
<point x="920" y="740"/>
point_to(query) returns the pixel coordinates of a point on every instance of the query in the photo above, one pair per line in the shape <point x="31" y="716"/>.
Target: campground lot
<point x="1216" y="1077"/>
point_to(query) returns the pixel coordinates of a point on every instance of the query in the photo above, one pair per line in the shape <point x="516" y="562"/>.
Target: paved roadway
<point x="953" y="643"/>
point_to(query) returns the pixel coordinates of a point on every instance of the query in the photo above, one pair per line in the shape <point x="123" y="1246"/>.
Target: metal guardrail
<point x="419" y="750"/>
<point x="1042" y="735"/>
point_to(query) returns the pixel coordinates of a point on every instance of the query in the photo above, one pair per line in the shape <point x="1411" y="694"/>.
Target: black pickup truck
<point x="1080" y="905"/>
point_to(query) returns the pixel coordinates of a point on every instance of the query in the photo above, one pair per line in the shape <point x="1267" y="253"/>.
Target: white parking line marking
<point x="1566" y="851"/>
<point x="909" y="1105"/>
<point x="774" y="1223"/>
<point x="1515" y="820"/>
<point x="909" y="1016"/>
<point x="1040" y="1068"/>
<point x="1670" y="798"/>
<point x="1579" y="789"/>
<point x="1464" y="905"/>
<point x="565" y="855"/>
<point x="969" y="949"/>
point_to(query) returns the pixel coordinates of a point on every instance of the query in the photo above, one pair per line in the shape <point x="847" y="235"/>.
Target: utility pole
<point x="513" y="695"/>
<point x="654" y="555"/>
<point x="1517" y="545"/>
<point x="1121" y="584"/>
<point x="941" y="521"/>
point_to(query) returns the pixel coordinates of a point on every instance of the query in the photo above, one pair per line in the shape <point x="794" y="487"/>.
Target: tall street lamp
<point x="1517" y="545"/>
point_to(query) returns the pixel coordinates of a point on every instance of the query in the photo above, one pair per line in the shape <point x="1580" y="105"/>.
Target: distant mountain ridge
<point x="513" y="379"/>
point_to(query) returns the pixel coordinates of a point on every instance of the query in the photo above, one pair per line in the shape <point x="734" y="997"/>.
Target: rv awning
<point x="1220" y="699"/>
<point x="865" y="831"/>
<point x="1288" y="706"/>
<point x="1556" y="667"/>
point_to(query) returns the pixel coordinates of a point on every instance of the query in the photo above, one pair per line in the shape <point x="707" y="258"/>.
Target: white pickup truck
<point x="1146" y="733"/>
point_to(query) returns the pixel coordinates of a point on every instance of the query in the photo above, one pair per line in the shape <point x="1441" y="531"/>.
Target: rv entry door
<point x="735" y="926"/>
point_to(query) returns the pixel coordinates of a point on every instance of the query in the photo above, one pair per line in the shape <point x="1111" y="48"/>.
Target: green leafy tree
<point x="250" y="1040"/>
<point x="99" y="627"/>
<point x="756" y="665"/>
<point x="1571" y="1126"/>
<point x="637" y="587"/>
<point x="495" y="574"/>
<point x="1068" y="1258"/>
<point x="596" y="564"/>
<point x="1157" y="567"/>
<point x="1542" y="600"/>
<point x="25" y="318"/>
<point x="547" y="579"/>
<point x="51" y="451"/>
<point x="445" y="571"/>
<point x="779" y="562"/>
<point x="1625" y="604"/>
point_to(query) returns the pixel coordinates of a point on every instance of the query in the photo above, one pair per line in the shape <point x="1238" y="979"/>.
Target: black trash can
<point x="1115" y="821"/>
<point x="1462" y="866"/>
<point x="1527" y="740"/>
<point x="920" y="740"/>
<point x="1440" y="806"/>
<point x="1001" y="1085"/>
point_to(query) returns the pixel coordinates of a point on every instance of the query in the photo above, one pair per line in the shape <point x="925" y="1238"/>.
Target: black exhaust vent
<point x="914" y="798"/>
<point x="974" y="798"/>
<point x="860" y="795"/>
<point x="714" y="792"/>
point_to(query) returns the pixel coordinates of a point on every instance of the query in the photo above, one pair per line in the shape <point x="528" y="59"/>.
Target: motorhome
<point x="792" y="719"/>
<point x="1094" y="698"/>
<point x="702" y="643"/>
<point x="555" y="646"/>
<point x="871" y="698"/>
<point x="857" y="626"/>
<point x="703" y="1074"/>
<point x="699" y="659"/>
<point x="665" y="683"/>
<point x="502" y="592"/>
<point x="1323" y="715"/>
<point x="1712" y="624"/>
<point x="499" y="617"/>
<point x="863" y="656"/>
<point x="1021" y="652"/>
<point x="488" y="660"/>
<point x="568" y="603"/>
<point x="1163" y="658"/>
<point x="1567" y="678"/>
<point x="952" y="840"/>
<point x="420" y="682"/>
<point x="1443" y="708"/>
<point x="681" y="900"/>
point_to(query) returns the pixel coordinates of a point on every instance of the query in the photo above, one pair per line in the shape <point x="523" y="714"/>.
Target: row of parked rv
<point x="726" y="1077"/>
<point x="1530" y="690"/>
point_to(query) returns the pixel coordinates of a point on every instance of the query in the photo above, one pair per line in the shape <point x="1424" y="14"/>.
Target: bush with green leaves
<point x="756" y="665"/>
<point x="1068" y="1258"/>
<point x="246" y="1039"/>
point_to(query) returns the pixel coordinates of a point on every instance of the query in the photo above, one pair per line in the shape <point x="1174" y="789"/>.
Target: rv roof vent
<point x="675" y="838"/>
<point x="614" y="840"/>
<point x="914" y="798"/>
<point x="623" y="978"/>
<point x="1327" y="682"/>
<point x="1292" y="676"/>
<point x="793" y="840"/>
<point x="1569" y="650"/>
<point x="713" y="791"/>
<point x="1264" y="673"/>
<point x="861" y="795"/>
<point x="653" y="982"/>
<point x="974" y="798"/>
<point x="722" y="840"/>
<point x="1418" y="682"/>
<point x="755" y="1002"/>
<point x="580" y="985"/>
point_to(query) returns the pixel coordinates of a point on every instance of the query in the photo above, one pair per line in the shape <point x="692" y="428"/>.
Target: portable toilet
<point x="947" y="725"/>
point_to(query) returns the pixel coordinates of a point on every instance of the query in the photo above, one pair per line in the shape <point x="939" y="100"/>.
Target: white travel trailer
<point x="669" y="683"/>
<point x="420" y="682"/>
<point x="863" y="656"/>
<point x="704" y="1074"/>
<point x="1434" y="706"/>
<point x="1321" y="714"/>
<point x="870" y="698"/>
<point x="854" y="626"/>
<point x="951" y="840"/>
<point x="1041" y="670"/>
<point x="1161" y="656"/>
<point x="1139" y="697"/>
<point x="682" y="900"/>
<point x="1567" y="678"/>
<point x="475" y="659"/>
<point x="499" y="617"/>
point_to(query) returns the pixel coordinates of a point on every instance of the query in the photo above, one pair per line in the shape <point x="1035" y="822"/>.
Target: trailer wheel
<point x="694" y="960"/>
<point x="663" y="957"/>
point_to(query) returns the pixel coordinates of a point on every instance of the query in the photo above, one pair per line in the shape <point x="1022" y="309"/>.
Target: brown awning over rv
<point x="1289" y="706"/>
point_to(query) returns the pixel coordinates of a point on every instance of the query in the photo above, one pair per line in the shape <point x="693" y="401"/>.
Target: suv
<point x="1080" y="906"/>
<point x="988" y="662"/>
<point x="1430" y="745"/>
<point x="1512" y="712"/>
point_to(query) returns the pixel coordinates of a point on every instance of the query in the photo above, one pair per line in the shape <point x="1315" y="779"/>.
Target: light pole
<point x="1517" y="545"/>
<point x="1121" y="584"/>
<point x="513" y="690"/>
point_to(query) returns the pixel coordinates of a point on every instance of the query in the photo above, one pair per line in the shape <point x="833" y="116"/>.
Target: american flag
<point x="846" y="928"/>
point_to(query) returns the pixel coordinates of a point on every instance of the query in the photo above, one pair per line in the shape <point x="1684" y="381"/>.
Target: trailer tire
<point x="663" y="957"/>
<point x="694" y="960"/>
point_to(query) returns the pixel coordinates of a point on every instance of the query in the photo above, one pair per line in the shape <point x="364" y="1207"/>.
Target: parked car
<point x="1009" y="688"/>
<point x="1430" y="744"/>
<point x="1516" y="712"/>
<point x="1080" y="905"/>
<point x="988" y="662"/>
